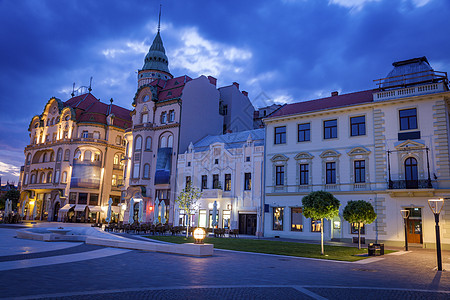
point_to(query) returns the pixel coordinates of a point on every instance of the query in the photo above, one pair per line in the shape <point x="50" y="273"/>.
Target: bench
<point x="375" y="249"/>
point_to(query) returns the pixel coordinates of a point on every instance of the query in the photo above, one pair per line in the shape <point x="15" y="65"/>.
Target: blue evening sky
<point x="278" y="51"/>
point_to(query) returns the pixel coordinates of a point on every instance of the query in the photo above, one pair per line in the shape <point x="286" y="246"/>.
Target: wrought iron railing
<point x="410" y="184"/>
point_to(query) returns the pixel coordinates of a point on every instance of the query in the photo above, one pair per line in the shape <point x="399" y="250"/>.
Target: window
<point x="247" y="158"/>
<point x="216" y="161"/>
<point x="316" y="224"/>
<point x="116" y="159"/>
<point x="136" y="170"/>
<point x="360" y="171"/>
<point x="202" y="218"/>
<point x="408" y="119"/>
<point x="204" y="182"/>
<point x="42" y="178"/>
<point x="87" y="155"/>
<point x="29" y="158"/>
<point x="144" y="118"/>
<point x="44" y="157"/>
<point x="304" y="174"/>
<point x="138" y="143"/>
<point x="189" y="164"/>
<point x="330" y="129"/>
<point x="296" y="219"/>
<point x="49" y="177"/>
<point x="216" y="181"/>
<point x="170" y="141"/>
<point x="304" y="132"/>
<point x="148" y="143"/>
<point x="227" y="182"/>
<point x="72" y="198"/>
<point x="66" y="155"/>
<point x="358" y="126"/>
<point x="331" y="173"/>
<point x="118" y="140"/>
<point x="188" y="182"/>
<point x="64" y="177"/>
<point x="278" y="214"/>
<point x="93" y="199"/>
<point x="82" y="198"/>
<point x="96" y="156"/>
<point x="354" y="228"/>
<point x="163" y="142"/>
<point x="226" y="216"/>
<point x="84" y="134"/>
<point x="164" y="118"/>
<point x="248" y="181"/>
<point x="147" y="171"/>
<point x="279" y="175"/>
<point x="280" y="135"/>
<point x="33" y="178"/>
<point x="96" y="135"/>
<point x="411" y="175"/>
<point x="114" y="180"/>
<point x="59" y="155"/>
<point x="171" y="116"/>
<point x="57" y="177"/>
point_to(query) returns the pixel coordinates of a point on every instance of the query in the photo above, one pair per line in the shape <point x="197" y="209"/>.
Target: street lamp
<point x="436" y="207"/>
<point x="405" y="215"/>
<point x="199" y="235"/>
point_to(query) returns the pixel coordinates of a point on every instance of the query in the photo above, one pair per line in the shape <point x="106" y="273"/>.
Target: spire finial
<point x="159" y="20"/>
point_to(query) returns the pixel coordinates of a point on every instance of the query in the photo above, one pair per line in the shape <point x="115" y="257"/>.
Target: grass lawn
<point x="275" y="247"/>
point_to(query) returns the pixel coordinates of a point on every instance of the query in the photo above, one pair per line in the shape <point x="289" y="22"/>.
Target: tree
<point x="320" y="205"/>
<point x="12" y="195"/>
<point x="360" y="212"/>
<point x="186" y="200"/>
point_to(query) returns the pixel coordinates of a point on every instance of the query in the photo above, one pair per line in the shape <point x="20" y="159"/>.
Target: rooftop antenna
<point x="90" y="85"/>
<point x="159" y="20"/>
<point x="73" y="90"/>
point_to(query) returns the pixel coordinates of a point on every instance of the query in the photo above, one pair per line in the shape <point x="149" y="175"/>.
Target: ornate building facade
<point x="388" y="146"/>
<point x="73" y="162"/>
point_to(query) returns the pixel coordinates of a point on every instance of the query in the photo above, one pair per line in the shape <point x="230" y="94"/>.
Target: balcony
<point x="410" y="184"/>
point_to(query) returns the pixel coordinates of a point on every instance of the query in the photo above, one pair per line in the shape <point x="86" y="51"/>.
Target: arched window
<point x="114" y="180"/>
<point x="59" y="155"/>
<point x="170" y="141"/>
<point x="33" y="178"/>
<point x="116" y="159"/>
<point x="97" y="156"/>
<point x="66" y="155"/>
<point x="126" y="150"/>
<point x="138" y="143"/>
<point x="42" y="178"/>
<point x="48" y="122"/>
<point x="163" y="142"/>
<point x="148" y="143"/>
<point x="44" y="157"/>
<point x="77" y="154"/>
<point x="57" y="177"/>
<point x="411" y="174"/>
<point x="49" y="177"/>
<point x="118" y="140"/>
<point x="171" y="116"/>
<point x="87" y="155"/>
<point x="25" y="181"/>
<point x="52" y="121"/>
<point x="146" y="171"/>
<point x="64" y="177"/>
<point x="52" y="156"/>
<point x="29" y="158"/>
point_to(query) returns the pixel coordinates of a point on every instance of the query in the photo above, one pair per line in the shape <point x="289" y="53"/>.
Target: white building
<point x="228" y="169"/>
<point x="388" y="146"/>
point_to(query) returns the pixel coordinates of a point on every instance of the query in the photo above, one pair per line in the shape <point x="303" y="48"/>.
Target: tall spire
<point x="159" y="19"/>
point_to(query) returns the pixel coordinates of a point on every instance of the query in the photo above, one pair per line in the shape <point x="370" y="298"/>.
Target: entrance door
<point x="336" y="228"/>
<point x="414" y="225"/>
<point x="247" y="224"/>
<point x="56" y="211"/>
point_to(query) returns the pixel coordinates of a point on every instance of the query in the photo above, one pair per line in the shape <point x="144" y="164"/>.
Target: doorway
<point x="414" y="225"/>
<point x="56" y="211"/>
<point x="247" y="224"/>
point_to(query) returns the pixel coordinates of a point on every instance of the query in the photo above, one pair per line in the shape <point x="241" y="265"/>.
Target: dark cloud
<point x="299" y="49"/>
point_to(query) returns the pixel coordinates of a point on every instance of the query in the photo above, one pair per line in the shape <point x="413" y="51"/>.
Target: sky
<point x="279" y="51"/>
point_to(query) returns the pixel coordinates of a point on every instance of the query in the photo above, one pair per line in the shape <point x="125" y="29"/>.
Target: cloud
<point x="9" y="170"/>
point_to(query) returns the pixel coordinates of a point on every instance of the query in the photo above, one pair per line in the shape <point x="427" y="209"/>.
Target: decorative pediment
<point x="410" y="145"/>
<point x="329" y="153"/>
<point x="303" y="155"/>
<point x="358" y="151"/>
<point x="279" y="157"/>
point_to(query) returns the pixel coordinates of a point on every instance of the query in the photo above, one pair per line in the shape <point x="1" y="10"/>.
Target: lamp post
<point x="436" y="207"/>
<point x="405" y="215"/>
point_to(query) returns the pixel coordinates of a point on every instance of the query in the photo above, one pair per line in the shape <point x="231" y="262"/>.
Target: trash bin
<point x="375" y="249"/>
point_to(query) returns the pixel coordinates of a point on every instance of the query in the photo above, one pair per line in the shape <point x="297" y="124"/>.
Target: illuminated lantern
<point x="199" y="235"/>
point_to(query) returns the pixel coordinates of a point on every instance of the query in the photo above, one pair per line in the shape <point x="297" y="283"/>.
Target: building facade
<point x="228" y="170"/>
<point x="388" y="146"/>
<point x="73" y="162"/>
<point x="169" y="113"/>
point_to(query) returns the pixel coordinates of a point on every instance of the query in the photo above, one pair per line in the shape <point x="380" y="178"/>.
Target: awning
<point x="66" y="207"/>
<point x="79" y="207"/>
<point x="93" y="208"/>
<point x="115" y="209"/>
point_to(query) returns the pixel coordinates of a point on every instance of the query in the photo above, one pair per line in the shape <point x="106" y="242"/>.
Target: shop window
<point x="278" y="214"/>
<point x="93" y="199"/>
<point x="72" y="198"/>
<point x="296" y="219"/>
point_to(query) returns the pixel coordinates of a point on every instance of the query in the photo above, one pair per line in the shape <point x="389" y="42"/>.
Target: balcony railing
<point x="410" y="184"/>
<point x="118" y="167"/>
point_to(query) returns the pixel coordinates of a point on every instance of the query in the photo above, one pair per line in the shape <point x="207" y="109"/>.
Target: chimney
<point x="236" y="85"/>
<point x="245" y="93"/>
<point x="335" y="93"/>
<point x="212" y="80"/>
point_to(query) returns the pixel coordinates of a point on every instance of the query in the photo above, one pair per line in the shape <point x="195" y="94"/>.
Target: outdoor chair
<point x="234" y="232"/>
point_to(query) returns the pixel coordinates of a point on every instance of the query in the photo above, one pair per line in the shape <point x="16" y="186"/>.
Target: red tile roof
<point x="90" y="109"/>
<point x="171" y="88"/>
<point x="324" y="103"/>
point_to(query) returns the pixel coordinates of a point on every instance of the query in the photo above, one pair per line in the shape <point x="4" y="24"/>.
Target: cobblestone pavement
<point x="229" y="275"/>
